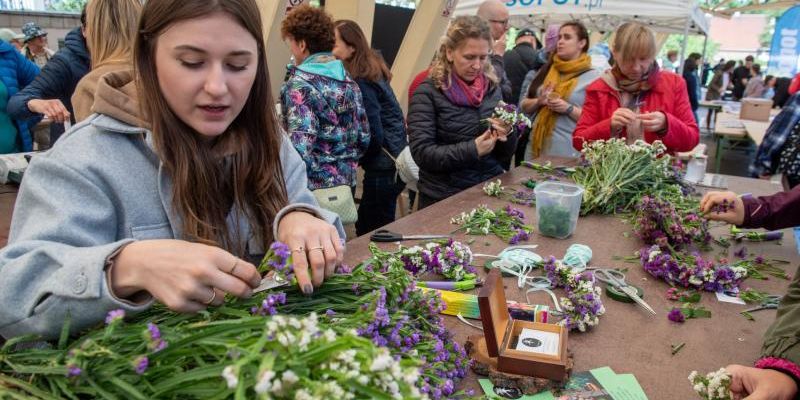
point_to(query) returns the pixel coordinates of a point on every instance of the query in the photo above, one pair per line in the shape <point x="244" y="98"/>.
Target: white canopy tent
<point x="663" y="16"/>
<point x="666" y="16"/>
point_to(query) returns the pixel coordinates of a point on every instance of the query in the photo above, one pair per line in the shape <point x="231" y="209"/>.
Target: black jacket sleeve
<point x="691" y="86"/>
<point x="426" y="150"/>
<point x="505" y="84"/>
<point x="373" y="107"/>
<point x="50" y="84"/>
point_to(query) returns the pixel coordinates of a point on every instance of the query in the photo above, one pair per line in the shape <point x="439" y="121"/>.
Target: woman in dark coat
<point x="387" y="128"/>
<point x="447" y="117"/>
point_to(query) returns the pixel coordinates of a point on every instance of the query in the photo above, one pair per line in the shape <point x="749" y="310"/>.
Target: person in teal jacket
<point x="322" y="108"/>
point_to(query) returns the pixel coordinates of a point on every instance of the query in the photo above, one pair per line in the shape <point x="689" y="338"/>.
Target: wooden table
<point x="628" y="339"/>
<point x="714" y="107"/>
<point x="730" y="132"/>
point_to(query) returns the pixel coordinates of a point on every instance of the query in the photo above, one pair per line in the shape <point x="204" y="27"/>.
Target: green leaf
<point x="62" y="339"/>
<point x="127" y="388"/>
<point x="692" y="298"/>
<point x="747" y="315"/>
<point x="8" y="381"/>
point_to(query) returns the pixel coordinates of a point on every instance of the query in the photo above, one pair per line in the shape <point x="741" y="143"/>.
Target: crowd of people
<point x="177" y="170"/>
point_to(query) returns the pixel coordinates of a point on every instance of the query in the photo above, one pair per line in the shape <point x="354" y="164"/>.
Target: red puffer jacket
<point x="669" y="96"/>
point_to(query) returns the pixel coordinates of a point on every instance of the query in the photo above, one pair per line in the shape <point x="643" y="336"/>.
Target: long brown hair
<point x="581" y="32"/>
<point x="364" y="63"/>
<point x="239" y="170"/>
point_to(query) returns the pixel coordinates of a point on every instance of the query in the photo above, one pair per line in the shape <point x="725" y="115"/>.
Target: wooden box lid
<point x="494" y="312"/>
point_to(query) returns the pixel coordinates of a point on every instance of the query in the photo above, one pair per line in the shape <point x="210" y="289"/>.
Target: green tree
<point x="694" y="44"/>
<point x="67" y="5"/>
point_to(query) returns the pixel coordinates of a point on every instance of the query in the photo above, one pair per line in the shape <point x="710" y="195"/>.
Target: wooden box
<point x="502" y="333"/>
<point x="755" y="109"/>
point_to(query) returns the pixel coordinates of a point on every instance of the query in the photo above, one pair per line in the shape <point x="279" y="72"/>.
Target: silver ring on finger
<point x="213" y="297"/>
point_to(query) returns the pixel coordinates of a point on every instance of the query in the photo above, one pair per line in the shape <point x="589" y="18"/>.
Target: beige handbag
<point x="338" y="199"/>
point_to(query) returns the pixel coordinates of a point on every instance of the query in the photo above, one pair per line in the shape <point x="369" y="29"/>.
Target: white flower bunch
<point x="713" y="386"/>
<point x="369" y="366"/>
<point x="494" y="189"/>
<point x="510" y="115"/>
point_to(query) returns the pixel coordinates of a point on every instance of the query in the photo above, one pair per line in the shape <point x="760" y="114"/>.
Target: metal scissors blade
<point x="270" y="282"/>
<point x="770" y="302"/>
<point x="631" y="292"/>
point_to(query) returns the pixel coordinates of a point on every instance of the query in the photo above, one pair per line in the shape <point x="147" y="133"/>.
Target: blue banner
<point x="785" y="51"/>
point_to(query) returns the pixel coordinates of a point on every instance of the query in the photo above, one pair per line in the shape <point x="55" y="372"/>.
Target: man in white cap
<point x="13" y="38"/>
<point x="36" y="44"/>
<point x="496" y="14"/>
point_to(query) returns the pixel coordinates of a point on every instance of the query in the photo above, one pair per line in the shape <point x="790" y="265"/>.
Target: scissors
<point x="270" y="281"/>
<point x="769" y="303"/>
<point x="383" y="235"/>
<point x="616" y="279"/>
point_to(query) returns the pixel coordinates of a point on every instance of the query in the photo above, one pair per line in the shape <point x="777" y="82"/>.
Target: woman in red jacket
<point x="636" y="100"/>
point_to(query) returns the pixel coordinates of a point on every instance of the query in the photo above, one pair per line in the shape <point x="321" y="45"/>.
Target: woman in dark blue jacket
<point x="16" y="72"/>
<point x="693" y="81"/>
<point x="387" y="127"/>
<point x="50" y="94"/>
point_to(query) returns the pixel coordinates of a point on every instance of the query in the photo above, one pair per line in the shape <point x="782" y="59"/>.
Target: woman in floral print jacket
<point x="322" y="107"/>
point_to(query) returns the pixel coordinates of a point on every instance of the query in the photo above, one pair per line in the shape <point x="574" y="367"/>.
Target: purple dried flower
<point x="269" y="304"/>
<point x="141" y="364"/>
<point x="73" y="370"/>
<point x="741" y="253"/>
<point x="114" y="316"/>
<point x="154" y="337"/>
<point x="675" y="315"/>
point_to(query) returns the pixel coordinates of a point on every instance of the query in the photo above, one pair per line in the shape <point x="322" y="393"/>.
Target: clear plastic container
<point x="558" y="205"/>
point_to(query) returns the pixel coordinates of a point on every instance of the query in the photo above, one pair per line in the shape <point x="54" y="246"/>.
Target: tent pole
<point x="683" y="45"/>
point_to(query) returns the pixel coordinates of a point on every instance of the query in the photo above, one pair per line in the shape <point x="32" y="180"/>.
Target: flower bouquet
<point x="713" y="386"/>
<point x="665" y="224"/>
<point x="506" y="223"/>
<point x="616" y="175"/>
<point x="691" y="270"/>
<point x="510" y="115"/>
<point x="365" y="334"/>
<point x="582" y="307"/>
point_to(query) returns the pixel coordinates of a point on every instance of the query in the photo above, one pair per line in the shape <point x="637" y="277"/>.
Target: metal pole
<point x="685" y="39"/>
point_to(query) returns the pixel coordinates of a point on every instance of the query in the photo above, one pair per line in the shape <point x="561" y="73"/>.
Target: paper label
<point x="538" y="342"/>
<point x="721" y="296"/>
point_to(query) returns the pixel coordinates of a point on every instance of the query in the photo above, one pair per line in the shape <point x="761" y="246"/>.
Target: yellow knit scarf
<point x="563" y="76"/>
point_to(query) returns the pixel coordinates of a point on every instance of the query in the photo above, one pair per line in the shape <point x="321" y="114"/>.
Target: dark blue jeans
<point x="378" y="201"/>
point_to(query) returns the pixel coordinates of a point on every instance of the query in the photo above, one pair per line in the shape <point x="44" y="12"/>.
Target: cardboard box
<point x="755" y="109"/>
<point x="503" y="337"/>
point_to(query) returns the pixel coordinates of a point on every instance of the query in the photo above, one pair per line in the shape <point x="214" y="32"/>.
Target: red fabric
<point x="795" y="85"/>
<point x="784" y="366"/>
<point x="416" y="82"/>
<point x="669" y="96"/>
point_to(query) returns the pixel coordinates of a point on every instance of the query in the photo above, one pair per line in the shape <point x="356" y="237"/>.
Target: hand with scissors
<point x="616" y="279"/>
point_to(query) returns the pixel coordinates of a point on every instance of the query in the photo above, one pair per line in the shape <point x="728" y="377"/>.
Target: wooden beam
<point x="277" y="53"/>
<point x="419" y="45"/>
<point x="360" y="11"/>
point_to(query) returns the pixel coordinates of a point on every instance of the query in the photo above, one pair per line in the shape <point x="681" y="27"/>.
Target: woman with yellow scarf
<point x="557" y="93"/>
